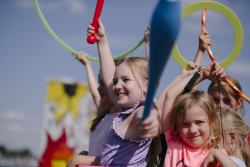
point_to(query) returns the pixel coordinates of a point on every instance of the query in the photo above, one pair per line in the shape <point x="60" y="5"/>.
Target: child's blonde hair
<point x="139" y="68"/>
<point x="233" y="122"/>
<point x="229" y="90"/>
<point x="185" y="101"/>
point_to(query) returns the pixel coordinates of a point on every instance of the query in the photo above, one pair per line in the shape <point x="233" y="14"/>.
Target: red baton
<point x="92" y="39"/>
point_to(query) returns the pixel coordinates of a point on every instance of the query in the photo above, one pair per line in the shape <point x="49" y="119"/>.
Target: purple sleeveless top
<point x="121" y="151"/>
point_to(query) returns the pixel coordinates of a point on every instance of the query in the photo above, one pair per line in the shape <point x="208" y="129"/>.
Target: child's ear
<point x="233" y="137"/>
<point x="145" y="87"/>
<point x="239" y="103"/>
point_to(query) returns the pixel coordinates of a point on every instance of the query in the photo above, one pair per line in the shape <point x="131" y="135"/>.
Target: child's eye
<point x="101" y="84"/>
<point x="199" y="122"/>
<point x="185" y="124"/>
<point x="227" y="101"/>
<point x="114" y="82"/>
<point x="126" y="80"/>
<point x="216" y="100"/>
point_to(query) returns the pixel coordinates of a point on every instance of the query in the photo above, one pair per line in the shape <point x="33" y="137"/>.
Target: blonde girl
<point x="223" y="95"/>
<point x="129" y="141"/>
<point x="235" y="132"/>
<point x="191" y="125"/>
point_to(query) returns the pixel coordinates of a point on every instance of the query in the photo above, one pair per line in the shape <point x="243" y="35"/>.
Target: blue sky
<point x="29" y="55"/>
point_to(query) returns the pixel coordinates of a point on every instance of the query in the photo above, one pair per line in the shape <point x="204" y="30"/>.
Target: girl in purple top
<point x="129" y="142"/>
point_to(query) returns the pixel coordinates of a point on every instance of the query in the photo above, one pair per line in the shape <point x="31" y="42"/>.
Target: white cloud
<point x="20" y="128"/>
<point x="17" y="122"/>
<point x="13" y="116"/>
<point x="74" y="6"/>
<point x="122" y="41"/>
<point x="14" y="128"/>
<point x="50" y="6"/>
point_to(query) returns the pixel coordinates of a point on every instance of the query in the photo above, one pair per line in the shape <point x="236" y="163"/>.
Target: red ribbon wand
<point x="92" y="39"/>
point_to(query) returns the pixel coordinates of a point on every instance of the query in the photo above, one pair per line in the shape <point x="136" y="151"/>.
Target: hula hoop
<point x="69" y="48"/>
<point x="230" y="16"/>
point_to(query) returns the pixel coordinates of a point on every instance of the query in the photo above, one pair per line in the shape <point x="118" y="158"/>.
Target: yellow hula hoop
<point x="230" y="16"/>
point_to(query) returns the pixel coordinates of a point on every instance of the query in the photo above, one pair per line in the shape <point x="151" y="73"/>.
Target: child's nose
<point x="192" y="129"/>
<point x="221" y="105"/>
<point x="118" y="85"/>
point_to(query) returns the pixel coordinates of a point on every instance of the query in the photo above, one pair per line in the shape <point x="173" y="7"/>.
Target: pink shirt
<point x="179" y="154"/>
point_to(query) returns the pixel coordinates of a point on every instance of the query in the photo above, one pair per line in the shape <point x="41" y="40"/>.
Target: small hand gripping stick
<point x="92" y="39"/>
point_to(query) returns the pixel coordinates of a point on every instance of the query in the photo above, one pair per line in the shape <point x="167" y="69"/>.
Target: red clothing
<point x="181" y="154"/>
<point x="248" y="139"/>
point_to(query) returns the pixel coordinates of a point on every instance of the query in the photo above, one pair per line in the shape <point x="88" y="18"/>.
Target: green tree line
<point x="4" y="152"/>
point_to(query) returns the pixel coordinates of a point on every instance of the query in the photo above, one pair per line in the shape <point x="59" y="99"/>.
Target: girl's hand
<point x="100" y="32"/>
<point x="73" y="161"/>
<point x="213" y="72"/>
<point x="211" y="160"/>
<point x="84" y="160"/>
<point x="204" y="40"/>
<point x="217" y="156"/>
<point x="149" y="128"/>
<point x="147" y="33"/>
<point x="81" y="56"/>
<point x="184" y="73"/>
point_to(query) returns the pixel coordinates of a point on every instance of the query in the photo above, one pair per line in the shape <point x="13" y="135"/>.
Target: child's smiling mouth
<point x="193" y="137"/>
<point x="121" y="94"/>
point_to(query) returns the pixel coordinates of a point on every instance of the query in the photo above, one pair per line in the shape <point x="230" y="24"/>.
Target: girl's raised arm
<point x="183" y="74"/>
<point x="91" y="78"/>
<point x="146" y="36"/>
<point x="106" y="60"/>
<point x="213" y="71"/>
<point x="204" y="40"/>
<point x="170" y="96"/>
<point x="218" y="156"/>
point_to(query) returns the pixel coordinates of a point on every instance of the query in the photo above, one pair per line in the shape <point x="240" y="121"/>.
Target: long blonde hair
<point x="139" y="68"/>
<point x="185" y="101"/>
<point x="233" y="122"/>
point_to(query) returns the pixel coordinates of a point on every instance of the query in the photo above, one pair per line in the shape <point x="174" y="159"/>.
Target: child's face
<point x="105" y="98"/>
<point x="195" y="129"/>
<point x="224" y="99"/>
<point x="126" y="90"/>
